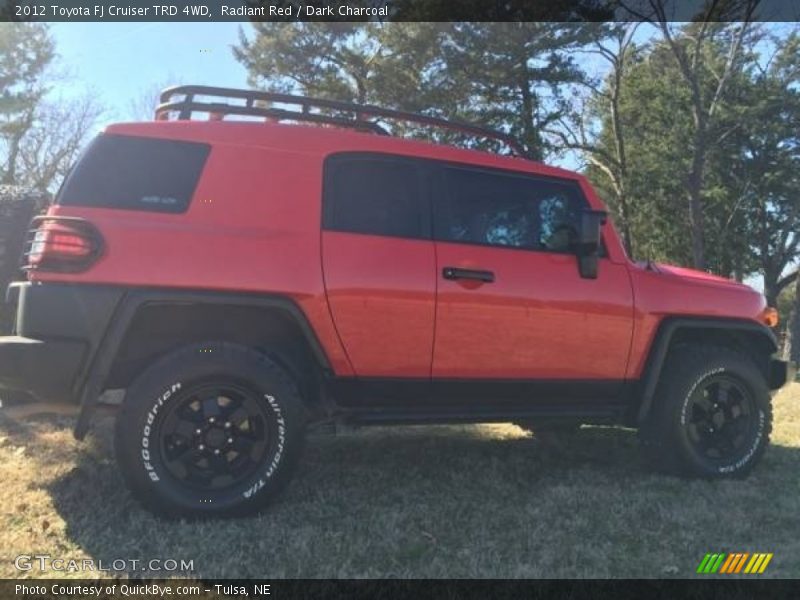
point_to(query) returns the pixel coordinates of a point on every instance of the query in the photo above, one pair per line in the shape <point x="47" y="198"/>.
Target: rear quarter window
<point x="135" y="173"/>
<point x="375" y="195"/>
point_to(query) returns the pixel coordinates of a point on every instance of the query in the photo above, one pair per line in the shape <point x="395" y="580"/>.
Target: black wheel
<point x="711" y="415"/>
<point x="211" y="430"/>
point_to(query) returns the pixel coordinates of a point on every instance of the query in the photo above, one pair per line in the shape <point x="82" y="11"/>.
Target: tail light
<point x="65" y="244"/>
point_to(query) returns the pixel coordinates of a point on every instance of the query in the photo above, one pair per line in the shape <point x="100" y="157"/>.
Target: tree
<point x="791" y="347"/>
<point x="56" y="138"/>
<point x="649" y="116"/>
<point x="26" y="50"/>
<point x="40" y="137"/>
<point x="750" y="208"/>
<point x="693" y="48"/>
<point x="509" y="76"/>
<point x="605" y="150"/>
<point x="515" y="77"/>
<point x="143" y="107"/>
<point x="335" y="60"/>
<point x="761" y="162"/>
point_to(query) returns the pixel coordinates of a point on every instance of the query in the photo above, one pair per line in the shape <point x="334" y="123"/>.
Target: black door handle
<point x="456" y="273"/>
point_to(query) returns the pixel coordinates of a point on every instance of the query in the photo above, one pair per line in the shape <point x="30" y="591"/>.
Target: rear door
<point x="379" y="263"/>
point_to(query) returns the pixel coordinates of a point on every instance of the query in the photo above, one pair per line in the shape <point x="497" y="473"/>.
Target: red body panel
<point x="538" y="320"/>
<point x="254" y="226"/>
<point x="382" y="294"/>
<point x="671" y="291"/>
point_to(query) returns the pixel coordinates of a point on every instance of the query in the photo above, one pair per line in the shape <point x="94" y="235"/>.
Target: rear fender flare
<point x="96" y="374"/>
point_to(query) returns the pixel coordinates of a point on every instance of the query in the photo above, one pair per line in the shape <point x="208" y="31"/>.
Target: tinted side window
<point x="375" y="195"/>
<point x="498" y="209"/>
<point x="135" y="173"/>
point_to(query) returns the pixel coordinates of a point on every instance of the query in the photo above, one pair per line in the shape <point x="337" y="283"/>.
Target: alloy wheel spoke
<point x="214" y="437"/>
<point x="238" y="416"/>
<point x="187" y="413"/>
<point x="210" y="407"/>
<point x="185" y="429"/>
<point x="723" y="392"/>
<point x="176" y="448"/>
<point x="218" y="463"/>
<point x="243" y="444"/>
<point x="704" y="403"/>
<point x="720" y="419"/>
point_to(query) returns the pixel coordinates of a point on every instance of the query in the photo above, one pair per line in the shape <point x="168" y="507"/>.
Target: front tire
<point x="711" y="415"/>
<point x="209" y="430"/>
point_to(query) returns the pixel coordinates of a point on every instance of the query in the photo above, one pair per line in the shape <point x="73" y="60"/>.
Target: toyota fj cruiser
<point x="246" y="274"/>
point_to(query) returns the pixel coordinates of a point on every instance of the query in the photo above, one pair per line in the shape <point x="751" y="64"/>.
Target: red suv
<point x="242" y="277"/>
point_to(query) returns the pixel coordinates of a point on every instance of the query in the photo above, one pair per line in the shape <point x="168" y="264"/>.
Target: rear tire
<point x="711" y="415"/>
<point x="210" y="430"/>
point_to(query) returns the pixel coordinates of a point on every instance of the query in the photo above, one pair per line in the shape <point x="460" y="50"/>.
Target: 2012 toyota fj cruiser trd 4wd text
<point x="242" y="279"/>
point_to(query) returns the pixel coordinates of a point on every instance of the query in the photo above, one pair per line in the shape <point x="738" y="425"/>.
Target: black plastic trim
<point x="397" y="400"/>
<point x="65" y="310"/>
<point x="91" y="384"/>
<point x="455" y="273"/>
<point x="661" y="344"/>
<point x="45" y="369"/>
<point x="780" y="373"/>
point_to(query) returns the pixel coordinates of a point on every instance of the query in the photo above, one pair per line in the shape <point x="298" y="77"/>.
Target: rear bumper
<point x="780" y="372"/>
<point x="45" y="370"/>
<point x="56" y="332"/>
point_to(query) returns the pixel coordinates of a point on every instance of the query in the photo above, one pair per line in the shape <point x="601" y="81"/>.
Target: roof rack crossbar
<point x="187" y="104"/>
<point x="269" y="113"/>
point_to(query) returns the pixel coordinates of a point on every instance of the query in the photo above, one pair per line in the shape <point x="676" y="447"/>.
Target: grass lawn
<point x="467" y="501"/>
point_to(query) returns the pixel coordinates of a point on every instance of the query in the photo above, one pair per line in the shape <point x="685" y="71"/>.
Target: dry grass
<point x="479" y="501"/>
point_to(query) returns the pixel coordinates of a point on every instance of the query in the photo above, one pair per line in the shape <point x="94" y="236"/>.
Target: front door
<point x="511" y="304"/>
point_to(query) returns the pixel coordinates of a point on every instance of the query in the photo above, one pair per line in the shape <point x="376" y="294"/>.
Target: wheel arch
<point x="150" y="323"/>
<point x="751" y="338"/>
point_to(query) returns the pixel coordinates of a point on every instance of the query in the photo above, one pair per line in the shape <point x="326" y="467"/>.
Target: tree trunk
<point x="627" y="238"/>
<point x="530" y="133"/>
<point x="771" y="291"/>
<point x="791" y="347"/>
<point x="695" y="191"/>
<point x="10" y="176"/>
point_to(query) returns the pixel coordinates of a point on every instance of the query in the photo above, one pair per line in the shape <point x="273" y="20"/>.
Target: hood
<point x="669" y="290"/>
<point x="693" y="275"/>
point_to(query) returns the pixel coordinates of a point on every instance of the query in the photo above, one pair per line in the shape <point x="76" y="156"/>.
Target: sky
<point x="119" y="62"/>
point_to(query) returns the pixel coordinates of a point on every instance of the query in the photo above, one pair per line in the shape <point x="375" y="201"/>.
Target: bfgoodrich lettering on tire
<point x="212" y="429"/>
<point x="711" y="416"/>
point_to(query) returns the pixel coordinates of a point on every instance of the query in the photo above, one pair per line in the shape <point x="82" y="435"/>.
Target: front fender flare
<point x="660" y="348"/>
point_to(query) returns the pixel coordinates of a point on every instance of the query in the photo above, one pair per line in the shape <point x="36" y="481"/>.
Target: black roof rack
<point x="183" y="100"/>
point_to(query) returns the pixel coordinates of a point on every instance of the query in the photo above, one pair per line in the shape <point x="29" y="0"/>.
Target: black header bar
<point x="408" y="589"/>
<point x="393" y="10"/>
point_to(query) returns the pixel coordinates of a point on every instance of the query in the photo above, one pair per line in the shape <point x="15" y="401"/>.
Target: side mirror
<point x="587" y="246"/>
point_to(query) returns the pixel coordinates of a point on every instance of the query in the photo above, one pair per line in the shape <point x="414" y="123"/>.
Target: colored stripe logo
<point x="735" y="562"/>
